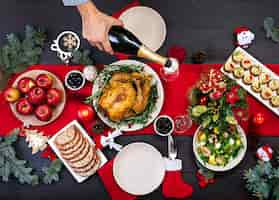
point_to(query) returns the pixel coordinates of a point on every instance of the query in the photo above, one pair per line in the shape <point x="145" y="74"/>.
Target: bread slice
<point x="81" y="154"/>
<point x="74" y="148"/>
<point x="92" y="170"/>
<point x="89" y="166"/>
<point x="84" y="162"/>
<point x="66" y="137"/>
<point x="72" y="144"/>
<point x="74" y="154"/>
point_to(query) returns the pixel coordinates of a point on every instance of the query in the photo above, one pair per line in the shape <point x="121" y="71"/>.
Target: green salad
<point x="218" y="148"/>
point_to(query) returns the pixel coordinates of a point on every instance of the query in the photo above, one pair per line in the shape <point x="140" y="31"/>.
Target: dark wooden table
<point x="195" y="24"/>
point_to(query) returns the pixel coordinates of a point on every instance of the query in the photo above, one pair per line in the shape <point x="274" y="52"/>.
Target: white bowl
<point x="67" y="76"/>
<point x="155" y="128"/>
<point x="233" y="163"/>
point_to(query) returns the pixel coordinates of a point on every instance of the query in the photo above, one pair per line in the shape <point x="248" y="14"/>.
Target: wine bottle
<point x="123" y="41"/>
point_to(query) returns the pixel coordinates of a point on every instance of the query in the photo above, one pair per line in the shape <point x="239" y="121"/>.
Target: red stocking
<point x="174" y="186"/>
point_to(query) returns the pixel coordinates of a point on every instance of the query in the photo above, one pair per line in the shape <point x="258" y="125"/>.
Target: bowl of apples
<point x="37" y="97"/>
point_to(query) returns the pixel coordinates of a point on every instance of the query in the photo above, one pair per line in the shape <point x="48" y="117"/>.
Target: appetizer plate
<point x="139" y="169"/>
<point x="153" y="33"/>
<point x="233" y="163"/>
<point x="158" y="106"/>
<point x="247" y="87"/>
<point x="75" y="123"/>
<point x="31" y="119"/>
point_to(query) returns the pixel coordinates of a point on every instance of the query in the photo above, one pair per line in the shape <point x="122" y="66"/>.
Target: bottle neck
<point x="145" y="52"/>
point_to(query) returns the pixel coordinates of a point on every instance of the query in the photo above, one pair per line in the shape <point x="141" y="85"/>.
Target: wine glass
<point x="169" y="77"/>
<point x="182" y="123"/>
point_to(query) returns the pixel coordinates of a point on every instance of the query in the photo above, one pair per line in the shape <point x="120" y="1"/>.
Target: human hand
<point x="96" y="26"/>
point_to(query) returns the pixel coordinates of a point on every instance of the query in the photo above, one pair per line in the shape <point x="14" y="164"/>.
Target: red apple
<point x="11" y="95"/>
<point x="37" y="96"/>
<point x="43" y="112"/>
<point x="54" y="96"/>
<point x="24" y="107"/>
<point x="85" y="113"/>
<point x="44" y="81"/>
<point x="25" y="84"/>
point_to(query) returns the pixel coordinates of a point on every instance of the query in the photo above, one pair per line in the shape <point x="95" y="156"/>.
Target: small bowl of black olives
<point x="163" y="125"/>
<point x="74" y="80"/>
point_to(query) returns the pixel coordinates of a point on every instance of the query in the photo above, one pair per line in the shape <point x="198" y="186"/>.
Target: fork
<point x="172" y="148"/>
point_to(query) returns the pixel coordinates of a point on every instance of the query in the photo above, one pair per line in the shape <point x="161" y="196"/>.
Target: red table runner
<point x="176" y="102"/>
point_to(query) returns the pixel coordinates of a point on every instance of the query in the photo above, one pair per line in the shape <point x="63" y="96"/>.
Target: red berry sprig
<point x="203" y="181"/>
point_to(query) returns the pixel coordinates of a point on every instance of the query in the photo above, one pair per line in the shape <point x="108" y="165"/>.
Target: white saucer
<point x="147" y="24"/>
<point x="139" y="169"/>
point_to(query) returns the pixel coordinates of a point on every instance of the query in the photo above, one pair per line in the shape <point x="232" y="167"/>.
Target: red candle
<point x="258" y="119"/>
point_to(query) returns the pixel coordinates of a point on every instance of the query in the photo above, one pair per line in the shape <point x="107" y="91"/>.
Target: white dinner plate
<point x="147" y="24"/>
<point x="158" y="105"/>
<point x="139" y="169"/>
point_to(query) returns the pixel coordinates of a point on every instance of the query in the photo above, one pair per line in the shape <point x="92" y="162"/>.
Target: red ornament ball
<point x="264" y="153"/>
<point x="258" y="119"/>
<point x="85" y="113"/>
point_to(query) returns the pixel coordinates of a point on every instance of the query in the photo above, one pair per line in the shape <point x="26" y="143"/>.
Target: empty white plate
<point x="139" y="169"/>
<point x="147" y="24"/>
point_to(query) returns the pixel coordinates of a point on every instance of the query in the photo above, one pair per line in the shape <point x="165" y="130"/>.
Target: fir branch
<point x="19" y="53"/>
<point x="272" y="32"/>
<point x="82" y="57"/>
<point x="262" y="181"/>
<point x="11" y="165"/>
<point x="51" y="173"/>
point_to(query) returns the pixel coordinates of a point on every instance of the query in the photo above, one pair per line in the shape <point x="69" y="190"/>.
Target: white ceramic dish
<point x="67" y="76"/>
<point x="147" y="24"/>
<point x="75" y="123"/>
<point x="231" y="164"/>
<point x="64" y="55"/>
<point x="139" y="169"/>
<point x="158" y="105"/>
<point x="247" y="87"/>
<point x="155" y="122"/>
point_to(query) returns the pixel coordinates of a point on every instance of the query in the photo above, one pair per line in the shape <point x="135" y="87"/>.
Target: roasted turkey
<point x="125" y="95"/>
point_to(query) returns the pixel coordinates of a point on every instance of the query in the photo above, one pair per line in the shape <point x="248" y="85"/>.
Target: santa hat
<point x="240" y="30"/>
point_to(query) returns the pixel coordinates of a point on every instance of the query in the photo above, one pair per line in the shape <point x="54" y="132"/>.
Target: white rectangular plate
<point x="102" y="157"/>
<point x="247" y="87"/>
